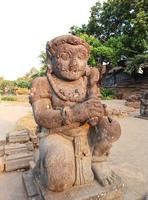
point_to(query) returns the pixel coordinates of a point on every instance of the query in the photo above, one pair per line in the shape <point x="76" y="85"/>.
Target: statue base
<point x="93" y="191"/>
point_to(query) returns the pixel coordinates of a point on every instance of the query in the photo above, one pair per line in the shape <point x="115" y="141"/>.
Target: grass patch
<point x="107" y="94"/>
<point x="9" y="98"/>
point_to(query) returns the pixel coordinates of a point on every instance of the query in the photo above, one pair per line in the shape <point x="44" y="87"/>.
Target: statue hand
<point x="91" y="108"/>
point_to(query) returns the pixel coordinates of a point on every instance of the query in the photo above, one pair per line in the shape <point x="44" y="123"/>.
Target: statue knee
<point x="60" y="166"/>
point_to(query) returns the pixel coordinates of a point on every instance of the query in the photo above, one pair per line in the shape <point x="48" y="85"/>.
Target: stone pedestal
<point x="35" y="191"/>
<point x="144" y="106"/>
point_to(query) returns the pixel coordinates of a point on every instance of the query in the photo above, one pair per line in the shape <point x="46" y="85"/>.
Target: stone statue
<point x="144" y="104"/>
<point x="75" y="133"/>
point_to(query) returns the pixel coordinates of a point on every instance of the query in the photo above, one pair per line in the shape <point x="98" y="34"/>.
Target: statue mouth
<point x="73" y="70"/>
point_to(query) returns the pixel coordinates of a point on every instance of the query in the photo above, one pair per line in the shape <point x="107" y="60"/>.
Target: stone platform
<point x="35" y="191"/>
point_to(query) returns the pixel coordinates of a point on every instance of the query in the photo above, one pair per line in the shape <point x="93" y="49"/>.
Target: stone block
<point x="32" y="190"/>
<point x="34" y="140"/>
<point x="1" y="150"/>
<point x="14" y="148"/>
<point x="32" y="164"/>
<point x="18" y="161"/>
<point x="18" y="137"/>
<point x="2" y="140"/>
<point x="30" y="146"/>
<point x="2" y="165"/>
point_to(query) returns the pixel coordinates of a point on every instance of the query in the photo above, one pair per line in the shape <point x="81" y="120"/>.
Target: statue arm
<point x="44" y="114"/>
<point x="48" y="117"/>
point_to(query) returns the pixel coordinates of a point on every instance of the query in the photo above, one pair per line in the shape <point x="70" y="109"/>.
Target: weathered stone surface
<point x="2" y="139"/>
<point x="32" y="164"/>
<point x="28" y="182"/>
<point x="87" y="192"/>
<point x="18" y="161"/>
<point x="15" y="148"/>
<point x="29" y="146"/>
<point x="2" y="164"/>
<point x="18" y="136"/>
<point x="133" y="98"/>
<point x="133" y="101"/>
<point x="34" y="139"/>
<point x="1" y="150"/>
<point x="144" y="104"/>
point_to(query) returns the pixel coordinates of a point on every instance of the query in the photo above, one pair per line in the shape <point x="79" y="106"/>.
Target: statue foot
<point x="103" y="174"/>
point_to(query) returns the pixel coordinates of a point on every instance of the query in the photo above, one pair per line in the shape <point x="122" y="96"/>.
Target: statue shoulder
<point x="39" y="89"/>
<point x="39" y="82"/>
<point x="93" y="75"/>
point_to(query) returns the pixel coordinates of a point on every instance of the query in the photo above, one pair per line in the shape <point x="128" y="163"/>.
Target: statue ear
<point x="49" y="64"/>
<point x="48" y="50"/>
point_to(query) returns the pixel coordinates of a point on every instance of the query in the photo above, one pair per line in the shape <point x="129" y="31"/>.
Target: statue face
<point x="70" y="61"/>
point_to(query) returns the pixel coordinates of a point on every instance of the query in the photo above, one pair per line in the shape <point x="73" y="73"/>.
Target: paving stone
<point x="32" y="191"/>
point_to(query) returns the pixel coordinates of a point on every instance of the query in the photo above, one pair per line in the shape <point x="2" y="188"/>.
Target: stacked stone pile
<point x="16" y="150"/>
<point x="133" y="101"/>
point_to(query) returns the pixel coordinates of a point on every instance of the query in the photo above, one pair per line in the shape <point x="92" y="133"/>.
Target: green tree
<point x="10" y="85"/>
<point x="119" y="18"/>
<point x="120" y="25"/>
<point x="43" y="68"/>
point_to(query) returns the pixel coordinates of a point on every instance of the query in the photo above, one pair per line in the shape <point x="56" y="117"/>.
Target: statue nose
<point x="73" y="64"/>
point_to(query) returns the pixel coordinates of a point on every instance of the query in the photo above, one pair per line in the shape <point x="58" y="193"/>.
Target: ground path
<point x="11" y="187"/>
<point x="10" y="113"/>
<point x="129" y="156"/>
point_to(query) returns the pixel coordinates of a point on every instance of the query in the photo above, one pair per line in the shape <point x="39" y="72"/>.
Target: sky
<point x="26" y="26"/>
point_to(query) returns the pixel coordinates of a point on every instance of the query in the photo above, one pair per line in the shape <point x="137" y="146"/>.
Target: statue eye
<point x="82" y="55"/>
<point x="64" y="56"/>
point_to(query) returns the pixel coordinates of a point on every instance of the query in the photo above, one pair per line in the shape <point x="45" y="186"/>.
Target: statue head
<point x="68" y="56"/>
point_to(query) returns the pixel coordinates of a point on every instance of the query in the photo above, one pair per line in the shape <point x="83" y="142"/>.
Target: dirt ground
<point x="129" y="155"/>
<point x="10" y="113"/>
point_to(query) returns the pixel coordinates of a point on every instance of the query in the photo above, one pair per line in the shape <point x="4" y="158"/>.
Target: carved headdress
<point x="52" y="46"/>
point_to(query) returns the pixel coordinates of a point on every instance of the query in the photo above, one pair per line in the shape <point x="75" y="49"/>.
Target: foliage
<point x="40" y="72"/>
<point x="120" y="25"/>
<point x="43" y="58"/>
<point x="43" y="69"/>
<point x="22" y="83"/>
<point x="7" y="85"/>
<point x="9" y="98"/>
<point x="121" y="17"/>
<point x="108" y="94"/>
<point x="134" y="63"/>
<point x="108" y="52"/>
